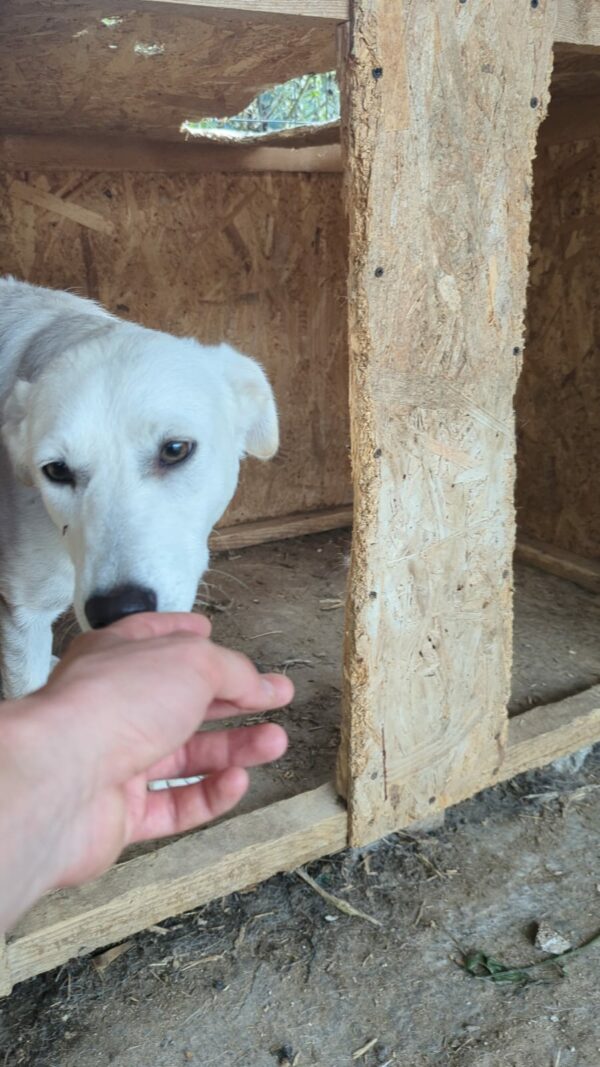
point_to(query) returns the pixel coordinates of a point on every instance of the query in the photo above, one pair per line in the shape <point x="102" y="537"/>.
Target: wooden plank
<point x="64" y="208"/>
<point x="112" y="154"/>
<point x="546" y="733"/>
<point x="258" y="533"/>
<point x="6" y="982"/>
<point x="583" y="572"/>
<point x="191" y="871"/>
<point x="334" y="10"/>
<point x="438" y="178"/>
<point x="578" y="23"/>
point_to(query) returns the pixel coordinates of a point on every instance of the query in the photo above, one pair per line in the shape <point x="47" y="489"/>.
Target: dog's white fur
<point x="102" y="395"/>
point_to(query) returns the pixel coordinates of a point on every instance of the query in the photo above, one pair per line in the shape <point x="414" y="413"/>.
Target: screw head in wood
<point x="379" y="272"/>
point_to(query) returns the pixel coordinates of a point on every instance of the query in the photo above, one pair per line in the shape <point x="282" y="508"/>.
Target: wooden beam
<point x="439" y="202"/>
<point x="583" y="572"/>
<point x="191" y="871"/>
<point x="578" y="23"/>
<point x="544" y="734"/>
<point x="6" y="983"/>
<point x="258" y="533"/>
<point x="106" y="154"/>
<point x="334" y="10"/>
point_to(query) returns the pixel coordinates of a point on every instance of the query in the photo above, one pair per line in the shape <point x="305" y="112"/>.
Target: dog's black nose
<point x="103" y="608"/>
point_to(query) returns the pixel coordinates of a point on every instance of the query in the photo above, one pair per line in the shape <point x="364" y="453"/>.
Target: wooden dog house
<point x="395" y="256"/>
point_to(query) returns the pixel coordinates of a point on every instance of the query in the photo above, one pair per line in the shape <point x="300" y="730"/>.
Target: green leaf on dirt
<point x="479" y="965"/>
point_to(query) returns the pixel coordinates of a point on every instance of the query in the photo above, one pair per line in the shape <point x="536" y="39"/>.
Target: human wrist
<point x="35" y="799"/>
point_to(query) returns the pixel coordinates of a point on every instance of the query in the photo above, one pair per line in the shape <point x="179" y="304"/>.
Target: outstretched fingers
<point x="174" y="811"/>
<point x="215" y="750"/>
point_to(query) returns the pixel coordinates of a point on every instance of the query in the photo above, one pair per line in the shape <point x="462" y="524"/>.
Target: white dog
<point x="121" y="449"/>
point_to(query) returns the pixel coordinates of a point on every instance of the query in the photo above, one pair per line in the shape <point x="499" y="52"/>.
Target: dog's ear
<point x="14" y="429"/>
<point x="256" y="412"/>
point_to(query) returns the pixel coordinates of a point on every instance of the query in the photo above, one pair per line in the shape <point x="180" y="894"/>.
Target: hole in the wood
<point x="309" y="102"/>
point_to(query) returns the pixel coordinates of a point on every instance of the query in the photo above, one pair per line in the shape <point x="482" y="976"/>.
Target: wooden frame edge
<point x="281" y="529"/>
<point x="60" y="152"/>
<point x="546" y="733"/>
<point x="179" y="876"/>
<point x="324" y="10"/>
<point x="576" y="569"/>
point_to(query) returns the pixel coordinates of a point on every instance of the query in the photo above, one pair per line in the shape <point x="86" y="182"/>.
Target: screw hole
<point x="377" y="73"/>
<point x="534" y="102"/>
<point x="379" y="272"/>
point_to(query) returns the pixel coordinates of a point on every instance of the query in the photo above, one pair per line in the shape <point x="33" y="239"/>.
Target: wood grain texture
<point x="6" y="982"/>
<point x="63" y="208"/>
<point x="256" y="261"/>
<point x="334" y="10"/>
<point x="179" y="876"/>
<point x="439" y="152"/>
<point x="543" y="734"/>
<point x="558" y="397"/>
<point x="578" y="22"/>
<point x="583" y="572"/>
<point x="156" y="66"/>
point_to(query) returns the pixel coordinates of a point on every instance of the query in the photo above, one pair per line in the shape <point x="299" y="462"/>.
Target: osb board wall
<point x="558" y="397"/>
<point x="259" y="261"/>
<point x="149" y="69"/>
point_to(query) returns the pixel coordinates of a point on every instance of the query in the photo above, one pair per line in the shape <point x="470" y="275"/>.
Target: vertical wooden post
<point x="442" y="103"/>
<point x="5" y="975"/>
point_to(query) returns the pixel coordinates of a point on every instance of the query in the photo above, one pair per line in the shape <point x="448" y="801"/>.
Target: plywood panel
<point x="257" y="261"/>
<point x="558" y="399"/>
<point x="439" y="142"/>
<point x="153" y="67"/>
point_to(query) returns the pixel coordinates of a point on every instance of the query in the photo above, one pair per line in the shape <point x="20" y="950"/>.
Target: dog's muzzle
<point x="103" y="608"/>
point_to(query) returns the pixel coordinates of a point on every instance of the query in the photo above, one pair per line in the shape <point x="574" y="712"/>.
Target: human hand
<point x="121" y="709"/>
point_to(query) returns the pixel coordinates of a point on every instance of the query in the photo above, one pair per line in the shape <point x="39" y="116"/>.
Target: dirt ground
<point x="278" y="975"/>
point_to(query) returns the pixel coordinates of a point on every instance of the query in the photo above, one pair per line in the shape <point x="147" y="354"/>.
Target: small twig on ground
<point x="360" y="1052"/>
<point x="336" y="902"/>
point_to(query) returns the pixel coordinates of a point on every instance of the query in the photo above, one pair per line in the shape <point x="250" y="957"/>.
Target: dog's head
<point x="134" y="440"/>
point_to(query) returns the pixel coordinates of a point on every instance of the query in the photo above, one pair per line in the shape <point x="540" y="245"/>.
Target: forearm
<point x="34" y="801"/>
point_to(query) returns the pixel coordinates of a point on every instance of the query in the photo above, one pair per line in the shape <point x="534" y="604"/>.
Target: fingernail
<point x="267" y="687"/>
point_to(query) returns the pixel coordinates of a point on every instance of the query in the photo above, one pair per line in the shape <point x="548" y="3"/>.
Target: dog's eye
<point x="175" y="452"/>
<point x="59" y="472"/>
